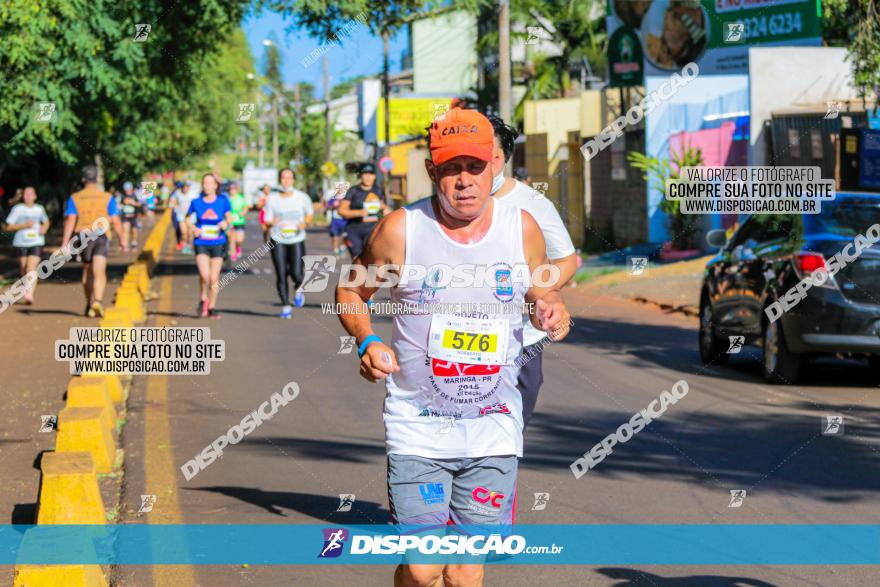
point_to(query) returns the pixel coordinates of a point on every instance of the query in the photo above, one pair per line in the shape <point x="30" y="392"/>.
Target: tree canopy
<point x="131" y="104"/>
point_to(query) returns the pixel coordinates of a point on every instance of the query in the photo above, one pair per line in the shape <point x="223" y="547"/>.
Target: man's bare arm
<point x="567" y="268"/>
<point x="386" y="246"/>
<point x="69" y="224"/>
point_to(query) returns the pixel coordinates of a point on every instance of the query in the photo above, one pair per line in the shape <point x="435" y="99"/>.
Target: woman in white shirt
<point x="30" y="223"/>
<point x="287" y="213"/>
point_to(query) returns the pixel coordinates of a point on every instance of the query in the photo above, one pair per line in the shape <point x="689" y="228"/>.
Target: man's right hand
<point x="374" y="366"/>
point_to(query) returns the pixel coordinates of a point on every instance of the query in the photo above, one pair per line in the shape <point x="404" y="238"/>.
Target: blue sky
<point x="360" y="54"/>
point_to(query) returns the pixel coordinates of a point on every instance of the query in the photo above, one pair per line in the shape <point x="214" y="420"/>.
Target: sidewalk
<point x="673" y="287"/>
<point x="33" y="382"/>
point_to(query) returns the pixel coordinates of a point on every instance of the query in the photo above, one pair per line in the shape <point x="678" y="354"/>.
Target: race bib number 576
<point x="468" y="340"/>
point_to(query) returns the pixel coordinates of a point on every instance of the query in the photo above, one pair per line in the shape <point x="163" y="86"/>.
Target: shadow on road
<point x="780" y="451"/>
<point x="321" y="449"/>
<point x="31" y="310"/>
<point x="321" y="507"/>
<point x="635" y="578"/>
<point x="674" y="347"/>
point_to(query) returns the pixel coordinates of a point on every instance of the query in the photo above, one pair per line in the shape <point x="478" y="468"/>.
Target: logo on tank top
<point x="503" y="282"/>
<point x="430" y="286"/>
<point x="496" y="408"/>
<point x="209" y="214"/>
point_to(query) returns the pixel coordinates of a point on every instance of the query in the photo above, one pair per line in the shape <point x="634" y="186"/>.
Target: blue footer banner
<point x="563" y="544"/>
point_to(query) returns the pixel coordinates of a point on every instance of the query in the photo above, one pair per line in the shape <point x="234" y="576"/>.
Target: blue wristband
<point x="363" y="348"/>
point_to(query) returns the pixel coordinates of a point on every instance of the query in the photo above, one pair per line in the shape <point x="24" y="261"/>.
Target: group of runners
<point x="454" y="411"/>
<point x="29" y="222"/>
<point x="214" y="222"/>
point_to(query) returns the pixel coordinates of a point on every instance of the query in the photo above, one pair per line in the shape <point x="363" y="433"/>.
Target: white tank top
<point x="435" y="406"/>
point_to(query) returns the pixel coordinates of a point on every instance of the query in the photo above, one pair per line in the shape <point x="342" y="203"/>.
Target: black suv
<point x="769" y="255"/>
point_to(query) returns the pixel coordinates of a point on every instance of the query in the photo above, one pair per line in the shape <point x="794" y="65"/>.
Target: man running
<point x="560" y="251"/>
<point x="362" y="206"/>
<point x="83" y="209"/>
<point x="453" y="415"/>
<point x="287" y="213"/>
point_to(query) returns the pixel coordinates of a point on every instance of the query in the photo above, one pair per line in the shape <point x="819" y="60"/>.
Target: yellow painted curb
<point x="92" y="393"/>
<point x="129" y="288"/>
<point x="133" y="303"/>
<point x="142" y="264"/>
<point x="116" y="318"/>
<point x="138" y="274"/>
<point x="69" y="491"/>
<point x="149" y="257"/>
<point x="112" y="382"/>
<point x="83" y="429"/>
<point x="59" y="576"/>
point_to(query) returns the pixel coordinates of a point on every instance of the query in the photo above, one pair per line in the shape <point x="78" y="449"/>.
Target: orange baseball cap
<point x="461" y="132"/>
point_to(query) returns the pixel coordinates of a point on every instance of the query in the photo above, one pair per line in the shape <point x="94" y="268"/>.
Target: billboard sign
<point x="409" y="117"/>
<point x="715" y="34"/>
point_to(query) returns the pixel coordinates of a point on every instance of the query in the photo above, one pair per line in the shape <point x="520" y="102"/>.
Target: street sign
<point x="386" y="164"/>
<point x="329" y="169"/>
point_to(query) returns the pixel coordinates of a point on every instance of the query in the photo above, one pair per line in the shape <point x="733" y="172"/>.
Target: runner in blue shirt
<point x="209" y="216"/>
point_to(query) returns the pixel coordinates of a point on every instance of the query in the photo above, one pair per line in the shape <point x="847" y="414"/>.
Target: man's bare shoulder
<point x="387" y="242"/>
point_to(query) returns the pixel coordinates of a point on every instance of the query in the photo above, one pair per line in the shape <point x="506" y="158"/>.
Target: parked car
<point x="770" y="254"/>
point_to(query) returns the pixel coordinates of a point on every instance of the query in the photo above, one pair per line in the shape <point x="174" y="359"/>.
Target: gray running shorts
<point x="468" y="491"/>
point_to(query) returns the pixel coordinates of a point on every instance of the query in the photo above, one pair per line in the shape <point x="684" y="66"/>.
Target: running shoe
<point x="180" y="246"/>
<point x="97" y="310"/>
<point x="213" y="314"/>
<point x="299" y="300"/>
<point x="202" y="309"/>
<point x="287" y="312"/>
<point x="88" y="311"/>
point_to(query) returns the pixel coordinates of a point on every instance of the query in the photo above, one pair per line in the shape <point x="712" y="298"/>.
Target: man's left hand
<point x="554" y="319"/>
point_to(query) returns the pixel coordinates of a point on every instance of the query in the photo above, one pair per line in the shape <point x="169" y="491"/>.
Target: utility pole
<point x="326" y="108"/>
<point x="386" y="90"/>
<point x="261" y="142"/>
<point x="298" y="121"/>
<point x="504" y="76"/>
<point x="275" y="127"/>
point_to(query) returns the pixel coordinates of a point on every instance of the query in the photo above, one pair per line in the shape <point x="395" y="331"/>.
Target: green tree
<point x="345" y="86"/>
<point x="128" y="105"/>
<point x="331" y="21"/>
<point x="855" y="24"/>
<point x="567" y="25"/>
<point x="657" y="172"/>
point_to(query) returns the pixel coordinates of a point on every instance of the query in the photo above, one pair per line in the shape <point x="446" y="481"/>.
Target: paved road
<point x="730" y="432"/>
